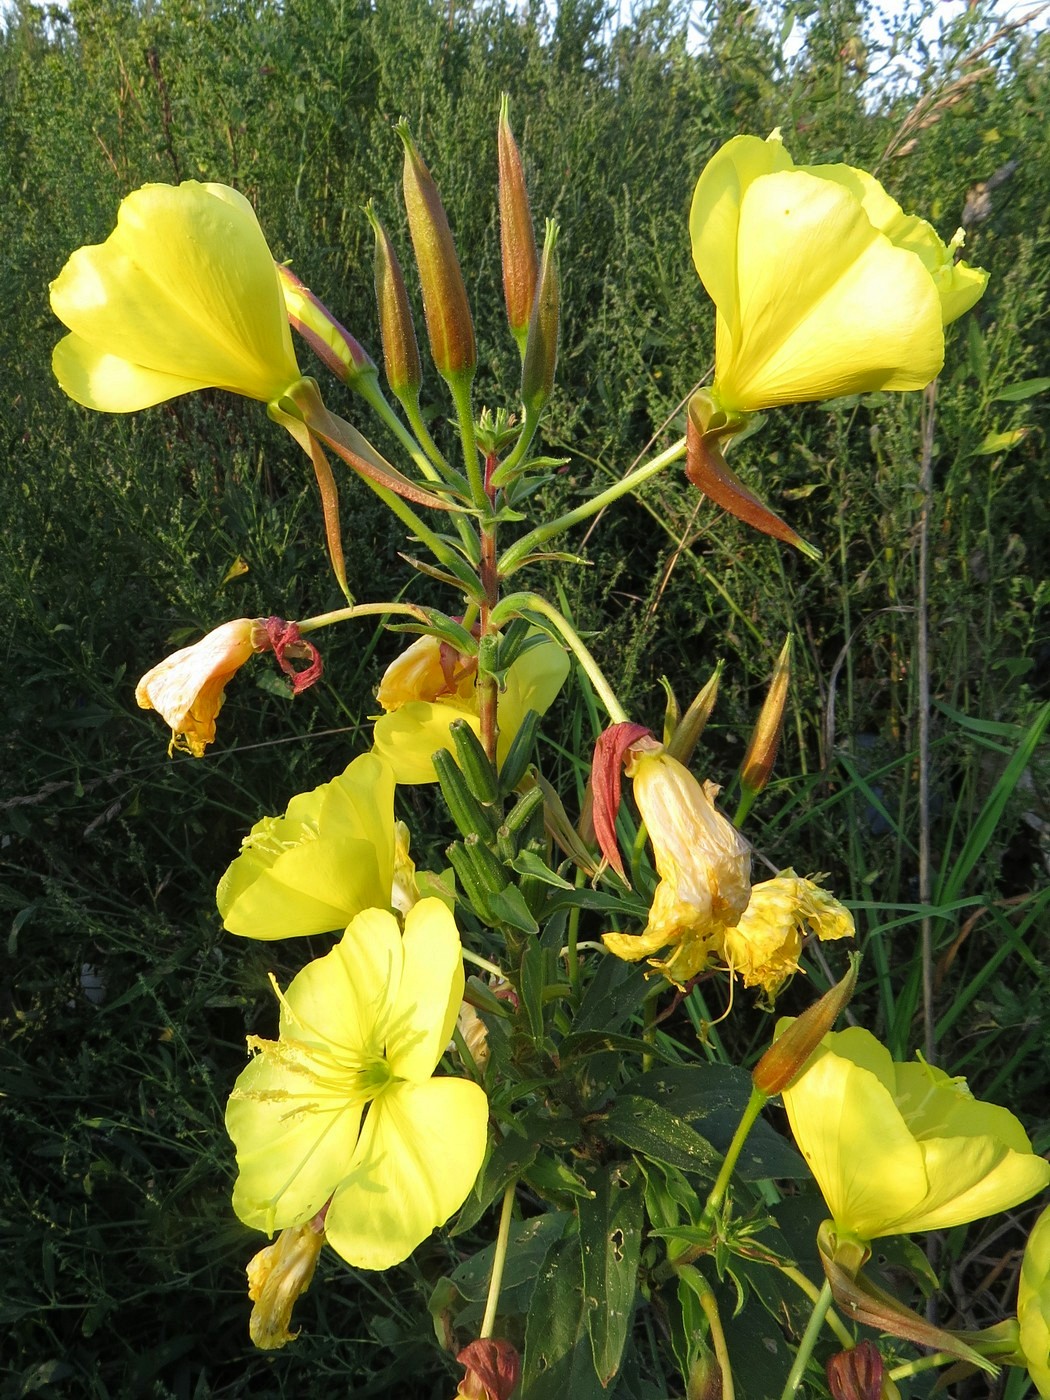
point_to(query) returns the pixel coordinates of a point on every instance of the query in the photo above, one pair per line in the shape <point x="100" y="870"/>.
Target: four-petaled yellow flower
<point x="704" y="866"/>
<point x="1033" y="1305"/>
<point x="429" y="685"/>
<point x="898" y="1148"/>
<point x="334" y="853"/>
<point x="187" y="688"/>
<point x="343" y="1107"/>
<point x="822" y="285"/>
<point x="182" y="295"/>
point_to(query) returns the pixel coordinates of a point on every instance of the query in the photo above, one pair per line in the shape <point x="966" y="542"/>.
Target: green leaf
<point x="558" y="1364"/>
<point x="509" y="1159"/>
<point x="647" y="1128"/>
<point x="1023" y="389"/>
<point x="528" y="1246"/>
<point x="615" y="991"/>
<point x="553" y="1180"/>
<point x="611" y="1244"/>
<point x="993" y="443"/>
<point x="533" y="979"/>
<point x="713" y="1097"/>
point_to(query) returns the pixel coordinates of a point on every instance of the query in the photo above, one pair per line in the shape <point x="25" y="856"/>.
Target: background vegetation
<point x="124" y="1010"/>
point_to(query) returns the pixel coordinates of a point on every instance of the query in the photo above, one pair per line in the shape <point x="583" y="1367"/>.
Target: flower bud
<point x="330" y="341"/>
<point x="493" y="1368"/>
<point x="445" y="304"/>
<point x="277" y="1276"/>
<point x="400" y="350"/>
<point x="765" y="740"/>
<point x="517" y="239"/>
<point x="790" y="1052"/>
<point x="687" y="732"/>
<point x="541" y="350"/>
<point x="705" y="1377"/>
<point x="858" y="1374"/>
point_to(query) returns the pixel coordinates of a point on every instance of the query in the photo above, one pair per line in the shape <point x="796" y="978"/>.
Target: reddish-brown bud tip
<point x="493" y="1368"/>
<point x="787" y="1056"/>
<point x="856" y="1374"/>
<point x="761" y="753"/>
<point x="517" y="237"/>
<point x="404" y="372"/>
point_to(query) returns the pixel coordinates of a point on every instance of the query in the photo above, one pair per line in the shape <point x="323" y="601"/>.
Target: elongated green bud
<point x="445" y="304"/>
<point x="524" y="822"/>
<point x="491" y="871"/>
<point x="466" y="811"/>
<point x="328" y="338"/>
<point x="517" y="239"/>
<point x="519" y="753"/>
<point x="541" y="351"/>
<point x="404" y="373"/>
<point x="474" y="762"/>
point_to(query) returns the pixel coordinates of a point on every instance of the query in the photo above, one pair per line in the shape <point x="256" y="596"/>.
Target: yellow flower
<point x="704" y="866"/>
<point x="1033" y="1305"/>
<point x="332" y="854"/>
<point x="898" y="1148"/>
<point x="822" y="285"/>
<point x="187" y="689"/>
<point x="277" y="1276"/>
<point x="182" y="295"/>
<point x="763" y="946"/>
<point x="362" y="1028"/>
<point x="429" y="685"/>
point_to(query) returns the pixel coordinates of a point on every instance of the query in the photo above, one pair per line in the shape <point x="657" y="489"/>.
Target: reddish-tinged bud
<point x="687" y="734"/>
<point x="445" y="304"/>
<point x="327" y="338"/>
<point x="765" y="741"/>
<point x="856" y="1374"/>
<point x="517" y="239"/>
<point x="541" y="350"/>
<point x="705" y="1378"/>
<point x="788" y="1055"/>
<point x="493" y="1368"/>
<point x="404" y="373"/>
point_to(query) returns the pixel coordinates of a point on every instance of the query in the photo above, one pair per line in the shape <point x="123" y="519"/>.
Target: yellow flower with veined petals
<point x="429" y="685"/>
<point x="898" y="1148"/>
<point x="822" y="285"/>
<point x="187" y="688"/>
<point x="1033" y="1304"/>
<point x="763" y="946"/>
<point x="182" y="295"/>
<point x="362" y="1028"/>
<point x="334" y="852"/>
<point x="704" y="866"/>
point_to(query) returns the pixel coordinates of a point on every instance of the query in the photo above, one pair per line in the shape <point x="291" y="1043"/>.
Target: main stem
<point x="808" y="1342"/>
<point x="499" y="1259"/>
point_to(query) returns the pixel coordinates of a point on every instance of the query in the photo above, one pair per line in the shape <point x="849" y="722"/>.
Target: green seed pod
<point x="445" y="304"/>
<point x="519" y="753"/>
<point x="469" y="882"/>
<point x="490" y="869"/>
<point x="467" y="812"/>
<point x="404" y="372"/>
<point x="541" y="351"/>
<point x="475" y="764"/>
<point x="517" y="239"/>
<point x="525" y="820"/>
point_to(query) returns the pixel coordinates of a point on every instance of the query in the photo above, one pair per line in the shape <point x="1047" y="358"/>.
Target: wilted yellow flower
<point x="279" y="1274"/>
<point x="1033" y="1305"/>
<point x="704" y="866"/>
<point x="344" y="1106"/>
<point x="763" y="946"/>
<point x="822" y="285"/>
<point x="187" y="688"/>
<point x="182" y="295"/>
<point x="898" y="1148"/>
<point x="332" y="854"/>
<point x="429" y="685"/>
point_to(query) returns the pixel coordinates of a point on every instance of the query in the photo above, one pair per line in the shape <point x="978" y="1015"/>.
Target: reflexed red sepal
<point x="493" y="1368"/>
<point x="286" y="642"/>
<point x="606" y="774"/>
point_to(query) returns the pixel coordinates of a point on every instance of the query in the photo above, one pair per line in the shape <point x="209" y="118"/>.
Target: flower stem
<point x="812" y="1292"/>
<point x="718" y="1341"/>
<point x="516" y="603"/>
<point x="517" y="552"/>
<point x="499" y="1258"/>
<point x="483" y="963"/>
<point x="753" y="1108"/>
<point x="808" y="1342"/>
<point x="460" y="387"/>
<point x="312" y="624"/>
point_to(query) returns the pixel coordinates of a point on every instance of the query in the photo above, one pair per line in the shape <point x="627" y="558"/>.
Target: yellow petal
<point x="408" y="737"/>
<point x="1033" y="1304"/>
<point x="533" y="683"/>
<point x="188" y="688"/>
<point x="828" y="305"/>
<point x="430" y="991"/>
<point x="100" y="380"/>
<point x="277" y="1276"/>
<point x="184" y="287"/>
<point x="345" y="1002"/>
<point x="421" y="1149"/>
